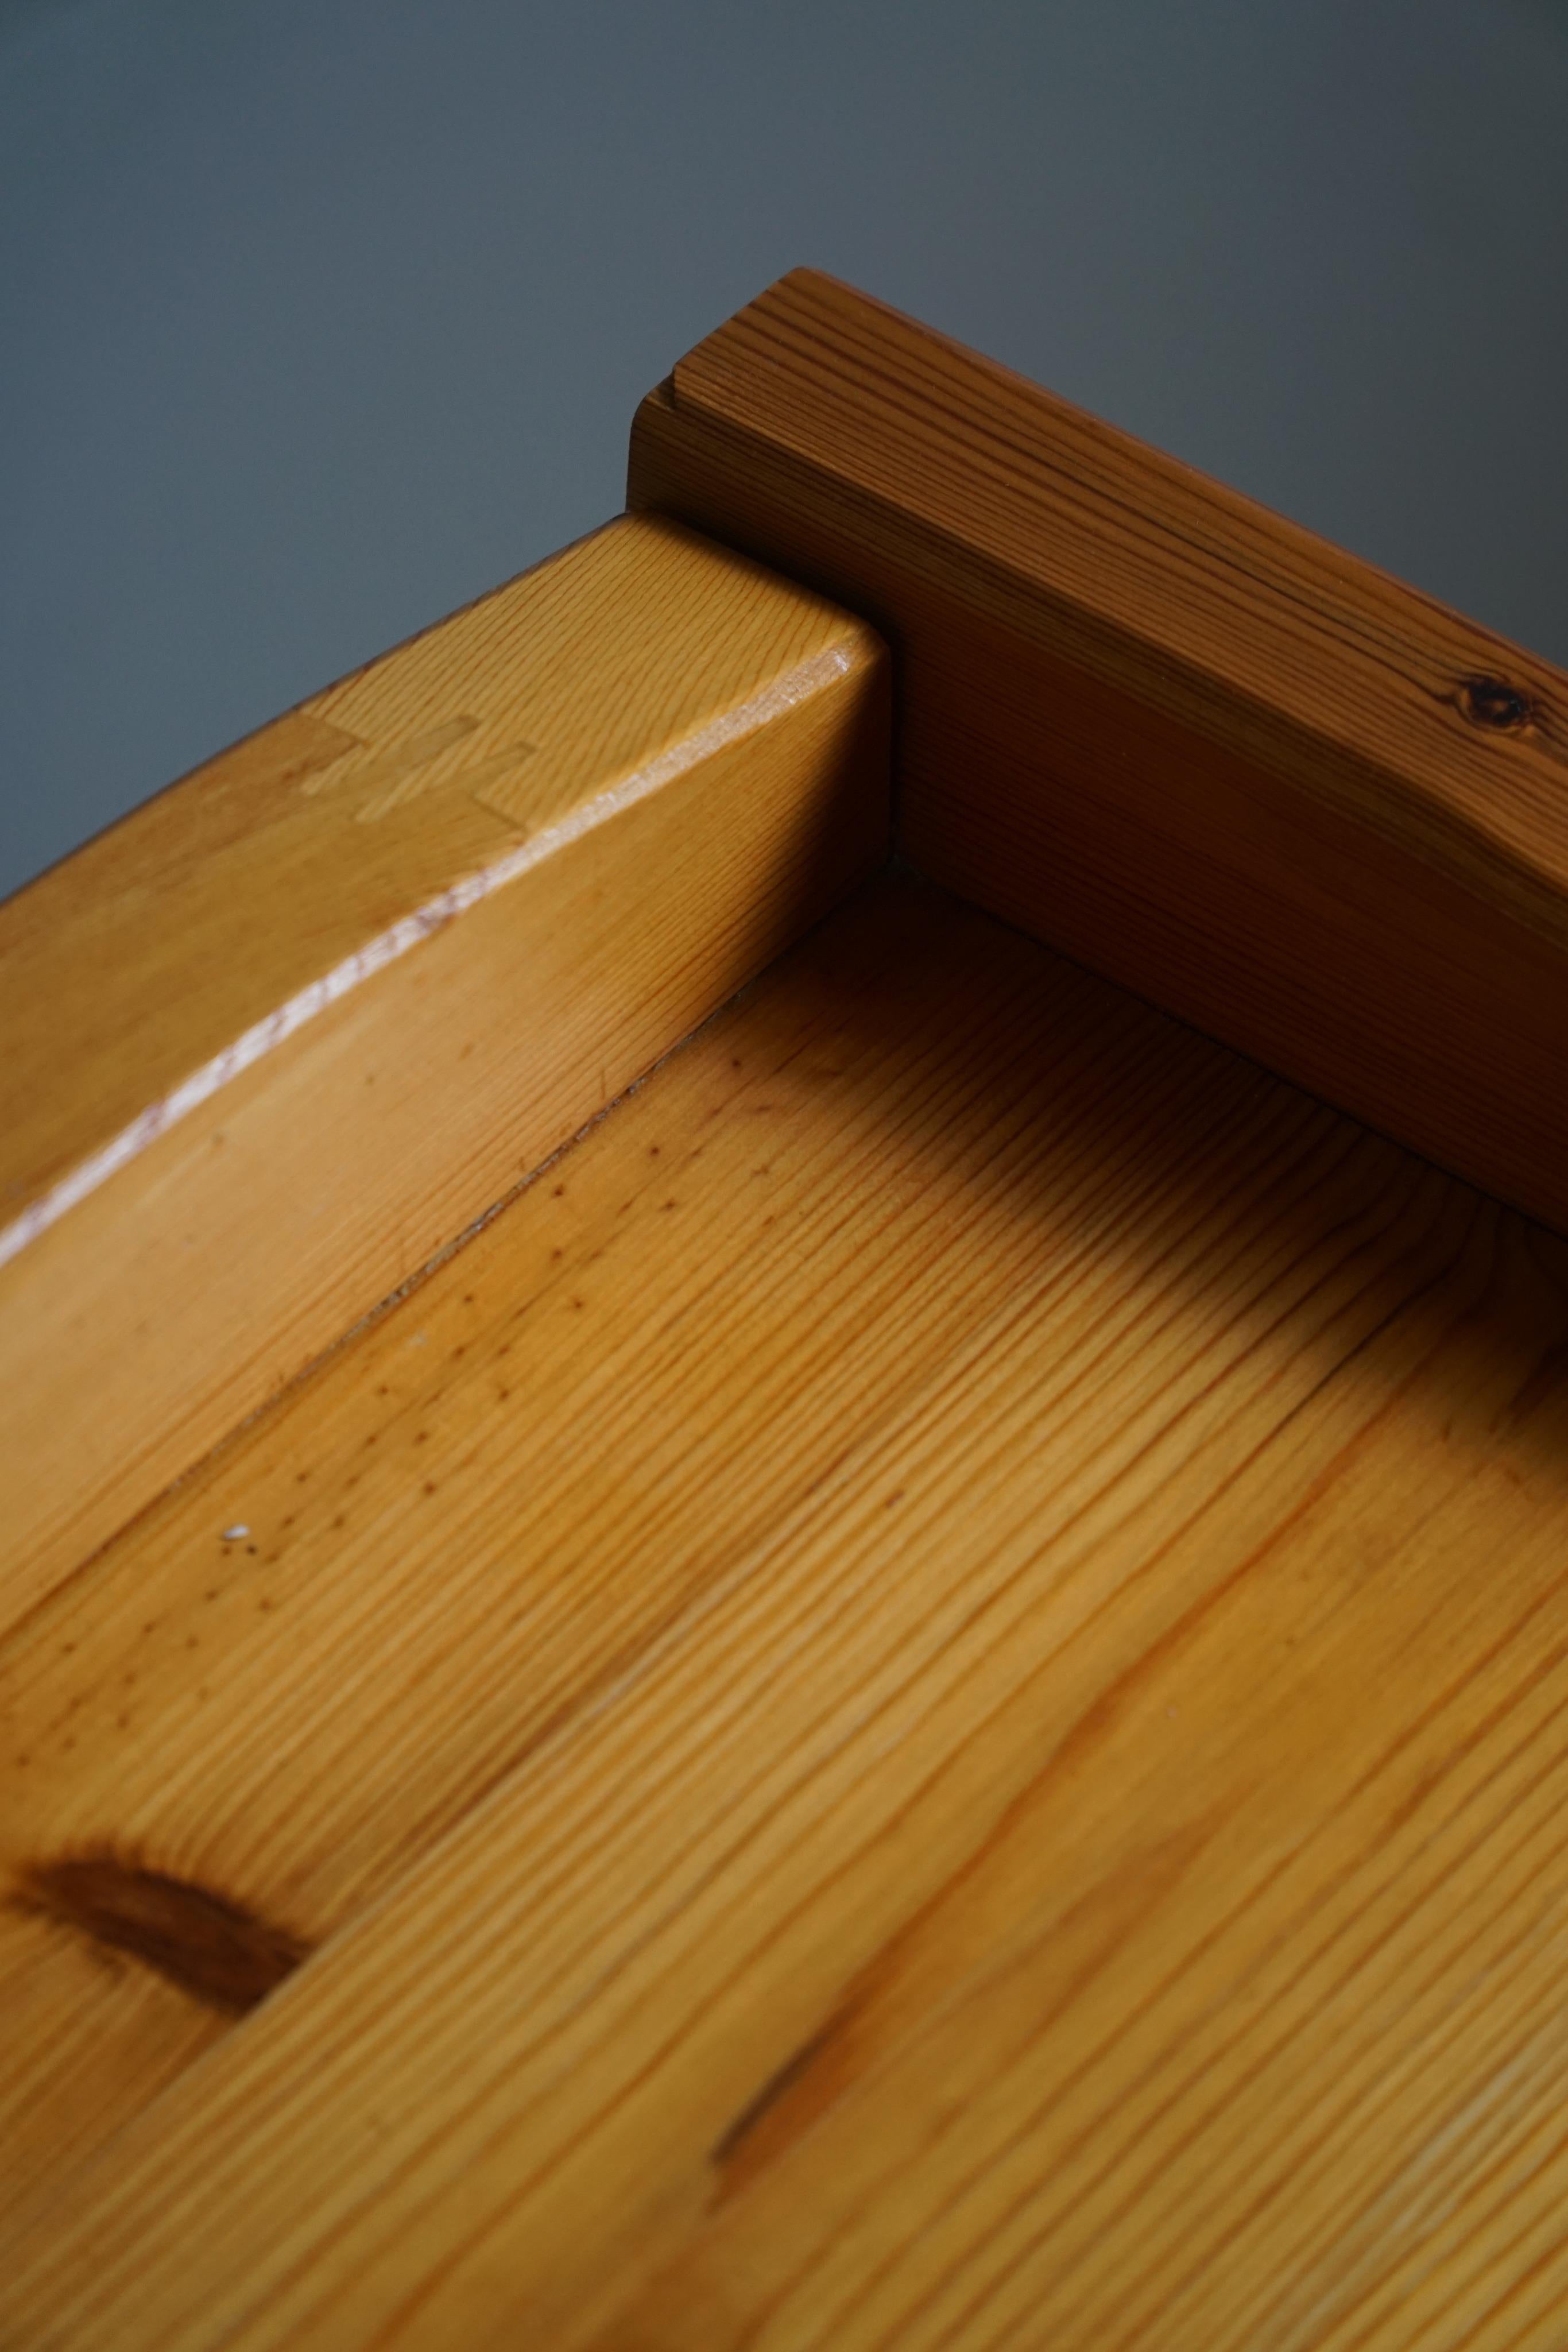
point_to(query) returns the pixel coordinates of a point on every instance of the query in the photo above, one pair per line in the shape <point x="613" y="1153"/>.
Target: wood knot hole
<point x="1493" y="703"/>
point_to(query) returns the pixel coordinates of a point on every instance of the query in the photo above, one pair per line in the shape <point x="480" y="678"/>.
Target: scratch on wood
<point x="728" y="2147"/>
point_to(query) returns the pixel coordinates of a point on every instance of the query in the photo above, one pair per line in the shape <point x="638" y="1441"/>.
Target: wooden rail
<point x="236" y="1112"/>
<point x="1214" y="757"/>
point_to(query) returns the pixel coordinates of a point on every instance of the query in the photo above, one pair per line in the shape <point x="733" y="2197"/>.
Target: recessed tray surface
<point x="918" y="1702"/>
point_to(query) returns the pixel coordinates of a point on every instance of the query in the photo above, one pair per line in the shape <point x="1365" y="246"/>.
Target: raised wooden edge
<point x="285" y="1034"/>
<point x="1214" y="757"/>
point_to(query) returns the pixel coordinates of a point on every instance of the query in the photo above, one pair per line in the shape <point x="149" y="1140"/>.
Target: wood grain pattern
<point x="924" y="1705"/>
<point x="283" y="1035"/>
<point x="1267" y="787"/>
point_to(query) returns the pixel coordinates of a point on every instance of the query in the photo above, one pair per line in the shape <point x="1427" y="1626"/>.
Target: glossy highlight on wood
<point x="291" y="1028"/>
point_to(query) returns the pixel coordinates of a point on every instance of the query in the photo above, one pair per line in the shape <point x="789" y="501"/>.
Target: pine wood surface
<point x="290" y="1028"/>
<point x="1223" y="761"/>
<point x="919" y="1703"/>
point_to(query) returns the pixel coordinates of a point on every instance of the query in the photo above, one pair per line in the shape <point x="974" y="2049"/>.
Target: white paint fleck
<point x="235" y="1533"/>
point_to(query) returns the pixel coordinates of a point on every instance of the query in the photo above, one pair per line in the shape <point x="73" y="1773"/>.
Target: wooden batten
<point x="283" y="1035"/>
<point x="1213" y="757"/>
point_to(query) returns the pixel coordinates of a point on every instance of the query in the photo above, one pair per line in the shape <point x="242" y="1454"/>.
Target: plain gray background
<point x="318" y="317"/>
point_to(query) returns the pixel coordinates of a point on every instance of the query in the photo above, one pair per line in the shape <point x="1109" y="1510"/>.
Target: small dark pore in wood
<point x="213" y="1948"/>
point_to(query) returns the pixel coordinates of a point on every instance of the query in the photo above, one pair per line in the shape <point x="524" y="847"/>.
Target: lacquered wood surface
<point x="918" y="1704"/>
<point x="283" y="1035"/>
<point x="1213" y="756"/>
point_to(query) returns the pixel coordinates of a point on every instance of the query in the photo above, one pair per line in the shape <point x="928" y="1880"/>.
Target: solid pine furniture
<point x="737" y="1609"/>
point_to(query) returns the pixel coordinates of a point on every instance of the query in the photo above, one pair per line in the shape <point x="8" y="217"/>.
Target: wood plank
<point x="1215" y="758"/>
<point x="216" y="1713"/>
<point x="1074" y="1850"/>
<point x="278" y="1038"/>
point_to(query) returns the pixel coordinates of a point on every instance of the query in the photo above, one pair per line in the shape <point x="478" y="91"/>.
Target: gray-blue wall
<point x="317" y="316"/>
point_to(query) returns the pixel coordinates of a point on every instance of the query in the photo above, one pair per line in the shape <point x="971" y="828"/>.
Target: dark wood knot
<point x="1493" y="703"/>
<point x="216" y="1950"/>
